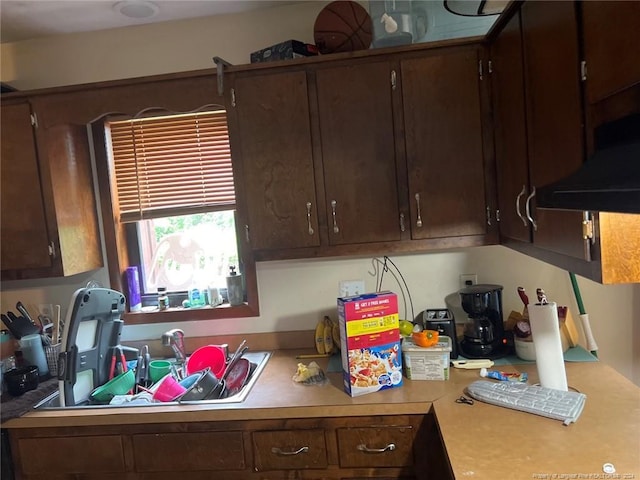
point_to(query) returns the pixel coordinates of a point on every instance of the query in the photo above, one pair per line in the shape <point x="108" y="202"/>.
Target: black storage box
<point x="284" y="51"/>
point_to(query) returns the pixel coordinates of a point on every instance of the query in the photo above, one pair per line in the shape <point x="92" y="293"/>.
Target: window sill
<point x="174" y="315"/>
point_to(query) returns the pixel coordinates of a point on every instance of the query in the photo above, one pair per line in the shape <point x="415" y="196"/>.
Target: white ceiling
<point x="28" y="19"/>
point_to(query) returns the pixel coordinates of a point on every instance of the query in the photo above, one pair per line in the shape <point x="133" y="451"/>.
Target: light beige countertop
<point x="482" y="441"/>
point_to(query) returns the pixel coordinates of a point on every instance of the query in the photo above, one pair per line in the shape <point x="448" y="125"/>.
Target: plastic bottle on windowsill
<point x="196" y="297"/>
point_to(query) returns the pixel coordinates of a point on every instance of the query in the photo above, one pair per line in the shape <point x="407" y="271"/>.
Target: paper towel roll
<point x="545" y="330"/>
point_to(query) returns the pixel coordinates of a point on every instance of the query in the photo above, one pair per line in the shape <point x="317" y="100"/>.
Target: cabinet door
<point x="442" y="117"/>
<point x="71" y="187"/>
<point x="510" y="131"/>
<point x="90" y="455"/>
<point x="188" y="452"/>
<point x="554" y="116"/>
<point x="25" y="240"/>
<point x="289" y="450"/>
<point x="387" y="446"/>
<point x="273" y="144"/>
<point x="358" y="153"/>
<point x="611" y="46"/>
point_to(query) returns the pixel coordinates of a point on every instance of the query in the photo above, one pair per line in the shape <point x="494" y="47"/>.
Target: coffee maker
<point x="483" y="332"/>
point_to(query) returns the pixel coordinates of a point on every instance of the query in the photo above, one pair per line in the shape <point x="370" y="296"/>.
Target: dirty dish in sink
<point x="237" y="376"/>
<point x="211" y="356"/>
<point x="118" y="385"/>
<point x="199" y="386"/>
<point x="168" y="389"/>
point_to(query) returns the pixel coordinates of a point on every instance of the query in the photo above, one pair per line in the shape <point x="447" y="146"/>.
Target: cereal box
<point x="370" y="342"/>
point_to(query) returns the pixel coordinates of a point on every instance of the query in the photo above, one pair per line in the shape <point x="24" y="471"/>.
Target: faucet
<point x="175" y="339"/>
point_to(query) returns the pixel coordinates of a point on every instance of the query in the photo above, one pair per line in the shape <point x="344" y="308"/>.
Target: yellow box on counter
<point x="370" y="342"/>
<point x="426" y="363"/>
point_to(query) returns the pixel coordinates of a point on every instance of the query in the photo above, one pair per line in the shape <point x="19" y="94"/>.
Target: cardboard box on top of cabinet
<point x="370" y="342"/>
<point x="284" y="51"/>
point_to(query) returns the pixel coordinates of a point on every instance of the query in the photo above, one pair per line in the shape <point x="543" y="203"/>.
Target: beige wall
<point x="294" y="294"/>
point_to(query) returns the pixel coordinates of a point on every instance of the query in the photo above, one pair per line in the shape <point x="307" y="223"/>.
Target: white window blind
<point x="172" y="165"/>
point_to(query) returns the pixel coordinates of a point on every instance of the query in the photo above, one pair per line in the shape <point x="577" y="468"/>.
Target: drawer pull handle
<point x="279" y="451"/>
<point x="363" y="448"/>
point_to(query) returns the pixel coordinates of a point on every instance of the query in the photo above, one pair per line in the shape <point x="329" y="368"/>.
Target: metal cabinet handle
<point x="246" y="233"/>
<point x="528" y="209"/>
<point x="488" y="215"/>
<point x="279" y="451"/>
<point x="363" y="448"/>
<point x="524" y="190"/>
<point x="309" y="218"/>
<point x="402" y="222"/>
<point x="333" y="213"/>
<point x="419" y="219"/>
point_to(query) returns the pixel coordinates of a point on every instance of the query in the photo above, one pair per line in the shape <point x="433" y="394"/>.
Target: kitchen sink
<point x="260" y="359"/>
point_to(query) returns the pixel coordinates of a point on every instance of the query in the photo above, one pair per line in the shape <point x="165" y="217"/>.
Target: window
<point x="172" y="183"/>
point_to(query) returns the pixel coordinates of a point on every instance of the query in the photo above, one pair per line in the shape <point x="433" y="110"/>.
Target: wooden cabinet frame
<point x="248" y="449"/>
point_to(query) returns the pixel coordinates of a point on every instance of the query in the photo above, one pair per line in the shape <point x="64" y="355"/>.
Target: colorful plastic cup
<point x="168" y="389"/>
<point x="158" y="369"/>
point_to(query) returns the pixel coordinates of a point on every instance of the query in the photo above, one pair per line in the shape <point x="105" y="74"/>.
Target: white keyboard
<point x="548" y="402"/>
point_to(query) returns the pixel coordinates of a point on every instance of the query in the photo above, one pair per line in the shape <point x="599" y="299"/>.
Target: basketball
<point x="342" y="26"/>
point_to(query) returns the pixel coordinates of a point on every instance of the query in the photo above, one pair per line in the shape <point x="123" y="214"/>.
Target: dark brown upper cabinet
<point x="49" y="216"/>
<point x="538" y="118"/>
<point x="553" y="117"/>
<point x="441" y="98"/>
<point x="373" y="155"/>
<point x="510" y="131"/>
<point x="611" y="47"/>
<point x="358" y="152"/>
<point x="542" y="126"/>
<point x="271" y="147"/>
<point x="25" y="240"/>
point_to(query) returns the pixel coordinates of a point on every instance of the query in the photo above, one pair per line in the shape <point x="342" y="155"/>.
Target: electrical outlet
<point x="467" y="279"/>
<point x="348" y="288"/>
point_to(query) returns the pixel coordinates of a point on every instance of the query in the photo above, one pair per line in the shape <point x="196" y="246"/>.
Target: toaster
<point x="440" y="319"/>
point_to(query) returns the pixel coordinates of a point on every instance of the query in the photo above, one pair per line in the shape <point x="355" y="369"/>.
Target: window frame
<point x="119" y="256"/>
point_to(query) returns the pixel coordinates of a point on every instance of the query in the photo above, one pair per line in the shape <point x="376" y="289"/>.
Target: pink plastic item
<point x="168" y="389"/>
<point x="211" y="356"/>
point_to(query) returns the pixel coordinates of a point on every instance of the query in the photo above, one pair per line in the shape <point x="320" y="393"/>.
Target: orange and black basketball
<point x="342" y="26"/>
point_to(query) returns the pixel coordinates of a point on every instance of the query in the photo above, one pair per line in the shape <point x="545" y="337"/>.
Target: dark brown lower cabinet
<point x="382" y="447"/>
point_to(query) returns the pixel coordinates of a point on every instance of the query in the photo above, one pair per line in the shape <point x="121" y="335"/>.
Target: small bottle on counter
<point x="163" y="299"/>
<point x="234" y="287"/>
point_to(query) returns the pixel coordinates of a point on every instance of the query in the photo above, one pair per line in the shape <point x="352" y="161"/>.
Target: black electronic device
<point x="442" y="320"/>
<point x="483" y="334"/>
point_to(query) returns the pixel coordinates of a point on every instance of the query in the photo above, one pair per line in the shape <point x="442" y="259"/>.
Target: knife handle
<point x="523" y="296"/>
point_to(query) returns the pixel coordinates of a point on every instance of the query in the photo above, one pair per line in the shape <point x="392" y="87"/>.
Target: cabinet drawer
<point x="376" y="446"/>
<point x="87" y="454"/>
<point x="188" y="451"/>
<point x="289" y="449"/>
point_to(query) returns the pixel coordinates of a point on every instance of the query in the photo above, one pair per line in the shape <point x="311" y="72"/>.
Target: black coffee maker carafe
<point x="484" y="329"/>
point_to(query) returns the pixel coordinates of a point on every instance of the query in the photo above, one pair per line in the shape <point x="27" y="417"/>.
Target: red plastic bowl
<point x="211" y="356"/>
